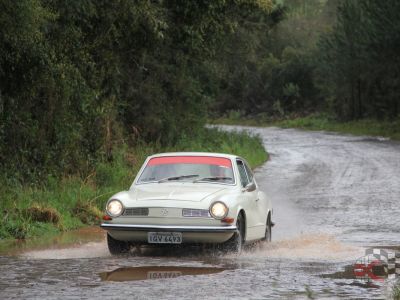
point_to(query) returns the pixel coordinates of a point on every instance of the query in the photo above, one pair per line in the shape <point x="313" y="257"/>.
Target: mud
<point x="334" y="196"/>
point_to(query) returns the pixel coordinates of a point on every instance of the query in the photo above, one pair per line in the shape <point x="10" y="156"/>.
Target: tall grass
<point x="61" y="204"/>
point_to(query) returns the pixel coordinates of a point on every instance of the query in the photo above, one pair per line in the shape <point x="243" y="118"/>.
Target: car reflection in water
<point x="155" y="272"/>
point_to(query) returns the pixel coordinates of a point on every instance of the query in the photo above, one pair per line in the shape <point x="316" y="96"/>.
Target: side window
<point x="249" y="172"/>
<point x="242" y="172"/>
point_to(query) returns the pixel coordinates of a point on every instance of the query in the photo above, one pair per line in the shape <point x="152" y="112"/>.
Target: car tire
<point x="268" y="230"/>
<point x="117" y="247"/>
<point x="235" y="243"/>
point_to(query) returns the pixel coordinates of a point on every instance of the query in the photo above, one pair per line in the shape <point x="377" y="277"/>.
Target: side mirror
<point x="250" y="187"/>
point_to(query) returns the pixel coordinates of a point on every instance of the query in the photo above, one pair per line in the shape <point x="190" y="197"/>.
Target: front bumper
<point x="178" y="228"/>
<point x="190" y="234"/>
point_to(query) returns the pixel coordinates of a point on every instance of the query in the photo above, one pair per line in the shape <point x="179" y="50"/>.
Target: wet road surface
<point x="334" y="196"/>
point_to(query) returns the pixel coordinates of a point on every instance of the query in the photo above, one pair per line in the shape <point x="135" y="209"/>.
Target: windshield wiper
<point x="216" y="178"/>
<point x="177" y="178"/>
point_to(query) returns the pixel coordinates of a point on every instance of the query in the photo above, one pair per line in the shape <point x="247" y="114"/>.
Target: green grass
<point x="360" y="127"/>
<point x="243" y="121"/>
<point x="62" y="204"/>
<point x="394" y="291"/>
<point x="390" y="129"/>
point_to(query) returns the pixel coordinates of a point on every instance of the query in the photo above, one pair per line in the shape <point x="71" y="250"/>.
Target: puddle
<point x="53" y="246"/>
<point x="156" y="272"/>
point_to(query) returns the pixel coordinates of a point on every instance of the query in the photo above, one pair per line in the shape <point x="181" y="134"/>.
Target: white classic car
<point x="187" y="197"/>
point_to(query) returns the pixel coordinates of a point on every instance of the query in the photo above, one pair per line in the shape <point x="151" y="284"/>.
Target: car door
<point x="251" y="203"/>
<point x="260" y="206"/>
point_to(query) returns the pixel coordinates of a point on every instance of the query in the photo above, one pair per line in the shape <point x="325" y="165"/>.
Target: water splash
<point x="319" y="246"/>
<point x="88" y="250"/>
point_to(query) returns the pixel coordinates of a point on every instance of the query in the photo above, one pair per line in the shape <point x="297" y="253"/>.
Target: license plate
<point x="163" y="275"/>
<point x="164" y="237"/>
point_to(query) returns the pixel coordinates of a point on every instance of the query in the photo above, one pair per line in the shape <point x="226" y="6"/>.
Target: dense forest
<point x="78" y="79"/>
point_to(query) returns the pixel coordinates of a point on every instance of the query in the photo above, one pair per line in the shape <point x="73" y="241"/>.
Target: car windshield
<point x="188" y="168"/>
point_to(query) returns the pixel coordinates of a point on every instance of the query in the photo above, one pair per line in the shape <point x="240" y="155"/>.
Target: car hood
<point x="172" y="191"/>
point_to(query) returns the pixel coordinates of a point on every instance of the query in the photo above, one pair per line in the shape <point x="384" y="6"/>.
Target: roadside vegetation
<point x="70" y="202"/>
<point x="368" y="127"/>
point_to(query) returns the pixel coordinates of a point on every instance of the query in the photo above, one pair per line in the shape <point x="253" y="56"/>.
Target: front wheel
<point x="117" y="247"/>
<point x="235" y="243"/>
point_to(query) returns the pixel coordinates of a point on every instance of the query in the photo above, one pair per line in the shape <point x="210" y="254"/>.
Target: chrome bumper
<point x="132" y="227"/>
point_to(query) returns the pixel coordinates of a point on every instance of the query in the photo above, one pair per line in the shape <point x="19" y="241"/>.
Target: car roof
<point x="229" y="156"/>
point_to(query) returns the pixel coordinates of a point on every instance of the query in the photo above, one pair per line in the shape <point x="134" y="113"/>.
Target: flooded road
<point x="334" y="196"/>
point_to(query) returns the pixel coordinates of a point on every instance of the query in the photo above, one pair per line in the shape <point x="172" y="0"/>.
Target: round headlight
<point x="114" y="208"/>
<point x="218" y="210"/>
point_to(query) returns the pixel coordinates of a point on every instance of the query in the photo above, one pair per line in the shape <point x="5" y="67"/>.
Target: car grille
<point x="136" y="211"/>
<point x="201" y="213"/>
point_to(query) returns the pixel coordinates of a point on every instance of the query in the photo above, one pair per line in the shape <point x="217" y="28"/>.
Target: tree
<point x="77" y="78"/>
<point x="359" y="66"/>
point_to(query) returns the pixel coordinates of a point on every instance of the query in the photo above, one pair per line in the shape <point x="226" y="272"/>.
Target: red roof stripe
<point x="202" y="160"/>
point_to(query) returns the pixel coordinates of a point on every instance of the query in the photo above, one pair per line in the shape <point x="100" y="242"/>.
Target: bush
<point x="38" y="213"/>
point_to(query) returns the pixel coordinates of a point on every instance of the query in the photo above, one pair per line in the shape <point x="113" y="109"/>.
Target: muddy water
<point x="333" y="195"/>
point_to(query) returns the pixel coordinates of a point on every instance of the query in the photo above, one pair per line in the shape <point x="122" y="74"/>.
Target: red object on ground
<point x="202" y="160"/>
<point x="366" y="270"/>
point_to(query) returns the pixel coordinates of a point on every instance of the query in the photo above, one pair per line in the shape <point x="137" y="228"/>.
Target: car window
<point x="159" y="168"/>
<point x="242" y="172"/>
<point x="249" y="172"/>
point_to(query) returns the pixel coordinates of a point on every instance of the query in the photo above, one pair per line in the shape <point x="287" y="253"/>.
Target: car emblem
<point x="164" y="212"/>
